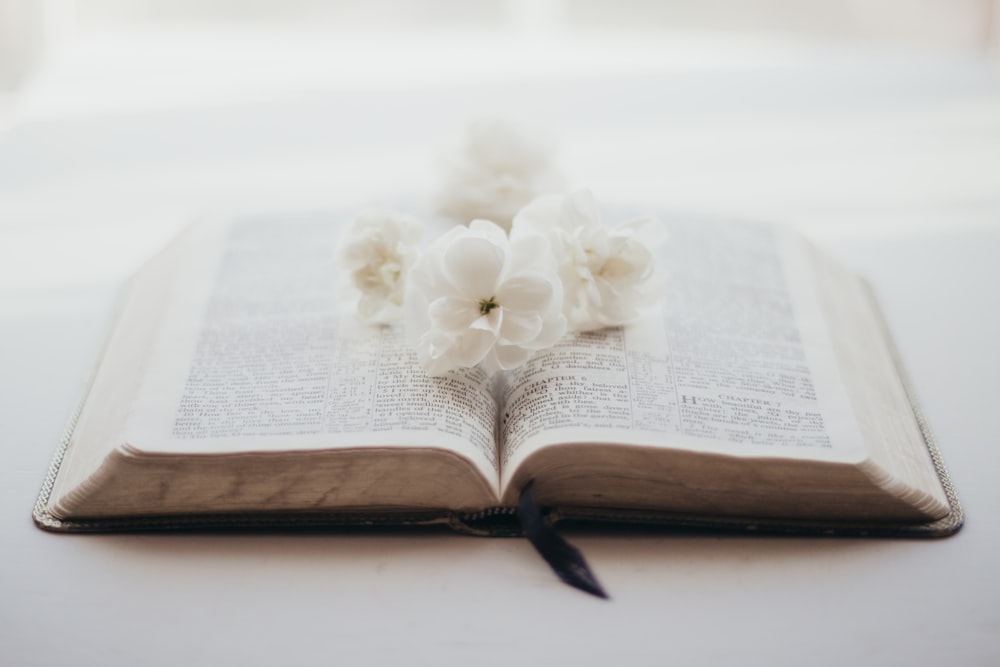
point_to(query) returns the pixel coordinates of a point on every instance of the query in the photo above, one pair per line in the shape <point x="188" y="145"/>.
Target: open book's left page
<point x="255" y="362"/>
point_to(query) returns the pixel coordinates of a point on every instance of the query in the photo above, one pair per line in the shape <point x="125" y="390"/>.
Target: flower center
<point x="486" y="305"/>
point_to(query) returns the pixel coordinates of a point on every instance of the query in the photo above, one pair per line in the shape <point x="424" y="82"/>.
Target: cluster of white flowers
<point x="481" y="296"/>
<point x="495" y="170"/>
<point x="478" y="296"/>
<point x="524" y="266"/>
<point x="607" y="273"/>
<point x="377" y="252"/>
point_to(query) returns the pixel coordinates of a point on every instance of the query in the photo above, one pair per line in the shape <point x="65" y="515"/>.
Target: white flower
<point x="496" y="170"/>
<point x="477" y="297"/>
<point x="377" y="251"/>
<point x="607" y="273"/>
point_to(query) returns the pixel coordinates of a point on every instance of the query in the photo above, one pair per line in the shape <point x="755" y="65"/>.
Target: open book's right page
<point x="737" y="360"/>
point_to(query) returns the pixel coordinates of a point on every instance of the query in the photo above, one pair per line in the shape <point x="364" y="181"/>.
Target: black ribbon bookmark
<point x="564" y="559"/>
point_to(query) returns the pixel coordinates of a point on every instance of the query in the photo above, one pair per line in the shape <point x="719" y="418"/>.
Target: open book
<point x="236" y="388"/>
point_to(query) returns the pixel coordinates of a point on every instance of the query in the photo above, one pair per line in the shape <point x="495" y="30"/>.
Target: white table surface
<point x="895" y="168"/>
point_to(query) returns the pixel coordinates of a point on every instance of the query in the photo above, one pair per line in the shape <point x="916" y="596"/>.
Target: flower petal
<point x="553" y="328"/>
<point x="528" y="291"/>
<point x="534" y="250"/>
<point x="541" y="214"/>
<point x="510" y="356"/>
<point x="472" y="264"/>
<point x="616" y="307"/>
<point x="620" y="269"/>
<point x="451" y="314"/>
<point x="470" y="349"/>
<point x="489" y="230"/>
<point x="491" y="322"/>
<point x="579" y="209"/>
<point x="520" y="328"/>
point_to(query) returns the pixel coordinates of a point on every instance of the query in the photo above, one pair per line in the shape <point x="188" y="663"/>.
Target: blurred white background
<point x="113" y="35"/>
<point x="124" y="119"/>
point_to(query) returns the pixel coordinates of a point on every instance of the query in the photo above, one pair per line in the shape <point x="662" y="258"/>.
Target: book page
<point x="736" y="360"/>
<point x="884" y="412"/>
<point x="260" y="353"/>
